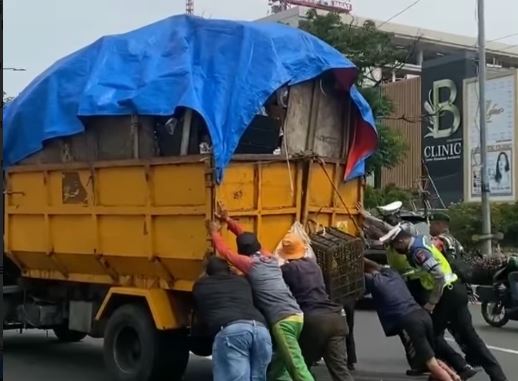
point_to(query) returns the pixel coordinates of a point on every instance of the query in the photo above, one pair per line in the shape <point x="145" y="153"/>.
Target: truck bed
<point x="142" y="222"/>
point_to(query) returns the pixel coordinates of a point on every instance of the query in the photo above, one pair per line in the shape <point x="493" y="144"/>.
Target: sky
<point x="39" y="32"/>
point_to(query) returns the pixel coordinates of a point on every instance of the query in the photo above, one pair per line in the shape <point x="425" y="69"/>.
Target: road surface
<point x="35" y="356"/>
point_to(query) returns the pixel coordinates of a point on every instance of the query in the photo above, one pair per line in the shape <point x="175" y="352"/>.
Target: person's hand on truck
<point x="213" y="226"/>
<point x="221" y="213"/>
<point x="361" y="210"/>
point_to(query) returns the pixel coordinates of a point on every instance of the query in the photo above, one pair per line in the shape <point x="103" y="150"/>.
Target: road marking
<point x="205" y="357"/>
<point x="505" y="350"/>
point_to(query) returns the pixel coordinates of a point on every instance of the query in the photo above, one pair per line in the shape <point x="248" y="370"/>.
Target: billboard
<point x="501" y="125"/>
<point x="442" y="129"/>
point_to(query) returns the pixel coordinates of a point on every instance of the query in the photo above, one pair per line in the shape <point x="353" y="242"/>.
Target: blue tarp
<point x="225" y="70"/>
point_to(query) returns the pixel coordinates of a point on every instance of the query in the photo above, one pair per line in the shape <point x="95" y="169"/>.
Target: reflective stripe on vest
<point x="427" y="279"/>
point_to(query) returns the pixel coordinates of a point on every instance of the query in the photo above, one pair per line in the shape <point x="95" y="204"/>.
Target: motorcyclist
<point x="510" y="271"/>
<point x="513" y="279"/>
<point x="391" y="215"/>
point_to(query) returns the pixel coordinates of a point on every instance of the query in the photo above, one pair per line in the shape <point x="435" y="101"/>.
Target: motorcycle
<point x="497" y="304"/>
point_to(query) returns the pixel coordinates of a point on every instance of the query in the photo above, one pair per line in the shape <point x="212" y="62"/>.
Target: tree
<point x="368" y="48"/>
<point x="392" y="148"/>
<point x="6" y="99"/>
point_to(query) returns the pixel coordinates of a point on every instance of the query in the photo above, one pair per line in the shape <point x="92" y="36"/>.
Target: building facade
<point x="433" y="58"/>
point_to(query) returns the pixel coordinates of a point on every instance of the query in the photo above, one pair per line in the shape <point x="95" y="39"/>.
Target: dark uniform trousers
<point x="324" y="335"/>
<point x="452" y="310"/>
<point x="443" y="350"/>
<point x="349" y="307"/>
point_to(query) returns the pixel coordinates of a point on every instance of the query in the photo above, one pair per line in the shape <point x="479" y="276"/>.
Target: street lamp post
<point x="486" y="207"/>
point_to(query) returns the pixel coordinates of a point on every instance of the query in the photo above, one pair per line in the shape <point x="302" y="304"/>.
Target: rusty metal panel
<point x="329" y="201"/>
<point x="264" y="196"/>
<point x="142" y="222"/>
<point x="406" y="120"/>
<point x="110" y="222"/>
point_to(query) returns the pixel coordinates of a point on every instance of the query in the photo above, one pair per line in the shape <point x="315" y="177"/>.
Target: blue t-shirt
<point x="392" y="299"/>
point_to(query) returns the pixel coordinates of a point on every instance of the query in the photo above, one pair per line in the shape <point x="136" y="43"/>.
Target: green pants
<point x="288" y="363"/>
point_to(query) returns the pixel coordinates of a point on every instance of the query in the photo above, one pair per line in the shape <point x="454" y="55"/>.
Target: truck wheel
<point x="66" y="335"/>
<point x="134" y="350"/>
<point x="175" y="348"/>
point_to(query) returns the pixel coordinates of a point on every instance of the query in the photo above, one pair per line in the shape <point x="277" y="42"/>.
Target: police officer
<point x="444" y="240"/>
<point x="454" y="253"/>
<point x="447" y="300"/>
<point x="451" y="248"/>
<point x="401" y="264"/>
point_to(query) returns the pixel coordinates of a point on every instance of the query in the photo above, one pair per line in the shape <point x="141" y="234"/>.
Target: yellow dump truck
<point x="105" y="230"/>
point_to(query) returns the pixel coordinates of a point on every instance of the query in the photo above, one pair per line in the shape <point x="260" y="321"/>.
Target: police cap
<point x="440" y="216"/>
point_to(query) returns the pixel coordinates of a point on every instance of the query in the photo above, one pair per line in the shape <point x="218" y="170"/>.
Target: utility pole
<point x="189" y="7"/>
<point x="486" y="207"/>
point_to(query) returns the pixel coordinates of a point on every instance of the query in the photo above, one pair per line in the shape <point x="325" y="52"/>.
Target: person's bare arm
<point x="242" y="262"/>
<point x="369" y="219"/>
<point x="378" y="223"/>
<point x="234" y="226"/>
<point x="223" y="216"/>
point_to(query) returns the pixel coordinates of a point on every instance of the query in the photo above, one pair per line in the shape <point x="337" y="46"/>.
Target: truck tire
<point x="134" y="350"/>
<point x="66" y="335"/>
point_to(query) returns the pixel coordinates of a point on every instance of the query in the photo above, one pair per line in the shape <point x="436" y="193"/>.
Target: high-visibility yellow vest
<point x="401" y="264"/>
<point x="426" y="279"/>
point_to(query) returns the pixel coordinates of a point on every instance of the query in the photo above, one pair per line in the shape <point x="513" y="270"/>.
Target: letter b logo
<point x="435" y="109"/>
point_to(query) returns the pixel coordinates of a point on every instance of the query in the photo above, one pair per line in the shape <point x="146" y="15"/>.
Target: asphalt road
<point x="35" y="356"/>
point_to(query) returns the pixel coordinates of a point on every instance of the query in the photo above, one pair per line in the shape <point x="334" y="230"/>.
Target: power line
<point x="400" y="12"/>
<point x="504" y="37"/>
<point x="509" y="47"/>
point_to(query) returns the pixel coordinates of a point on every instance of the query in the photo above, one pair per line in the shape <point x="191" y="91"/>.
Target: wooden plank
<point x="113" y="136"/>
<point x="50" y="154"/>
<point x="116" y="139"/>
<point x="315" y="121"/>
<point x="347" y="119"/>
<point x="148" y="146"/>
<point x="298" y="118"/>
<point x="186" y="132"/>
<point x="329" y="128"/>
<point x="83" y="147"/>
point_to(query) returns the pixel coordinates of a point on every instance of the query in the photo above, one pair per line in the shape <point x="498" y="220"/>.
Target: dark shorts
<point x="417" y="328"/>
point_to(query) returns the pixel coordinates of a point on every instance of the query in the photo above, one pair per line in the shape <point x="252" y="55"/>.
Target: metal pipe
<point x="486" y="207"/>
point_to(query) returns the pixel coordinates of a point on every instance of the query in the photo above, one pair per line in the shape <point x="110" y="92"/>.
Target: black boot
<point x="468" y="372"/>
